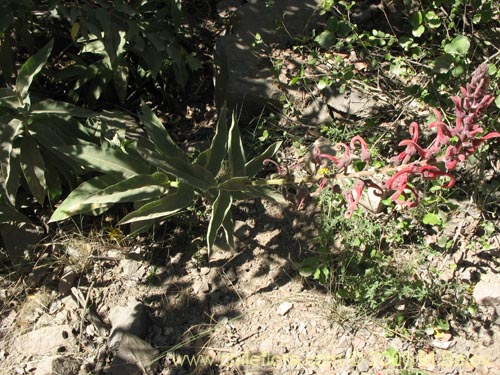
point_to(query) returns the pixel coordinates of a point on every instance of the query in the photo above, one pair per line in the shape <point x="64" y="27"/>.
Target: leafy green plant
<point x="159" y="178"/>
<point x="124" y="40"/>
<point x="31" y="128"/>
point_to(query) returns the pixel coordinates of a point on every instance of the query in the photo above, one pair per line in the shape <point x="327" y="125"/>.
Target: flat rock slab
<point x="134" y="357"/>
<point x="46" y="341"/>
<point x="487" y="293"/>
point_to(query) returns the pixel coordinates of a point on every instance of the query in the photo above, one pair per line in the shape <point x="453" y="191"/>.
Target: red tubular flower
<point x="280" y="170"/>
<point x="323" y="183"/>
<point x="353" y="199"/>
<point x="432" y="172"/>
<point x="333" y="159"/>
<point x="443" y="131"/>
<point x="399" y="178"/>
<point x="365" y="153"/>
<point x="406" y="201"/>
<point x="413" y="147"/>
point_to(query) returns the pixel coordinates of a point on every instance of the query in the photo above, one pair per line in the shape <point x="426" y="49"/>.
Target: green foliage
<point x="158" y="177"/>
<point x="118" y="41"/>
<point x="435" y="41"/>
<point x="30" y="129"/>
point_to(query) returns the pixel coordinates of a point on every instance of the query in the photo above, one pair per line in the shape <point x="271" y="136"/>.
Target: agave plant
<point x="159" y="178"/>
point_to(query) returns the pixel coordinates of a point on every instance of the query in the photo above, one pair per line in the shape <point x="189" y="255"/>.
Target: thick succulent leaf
<point x="255" y="165"/>
<point x="9" y="190"/>
<point x="73" y="204"/>
<point x="159" y="135"/>
<point x="9" y="214"/>
<point x="33" y="168"/>
<point x="228" y="226"/>
<point x="166" y="206"/>
<point x="213" y="156"/>
<point x="106" y="160"/>
<point x="54" y="107"/>
<point x="54" y="187"/>
<point x="220" y="210"/>
<point x="136" y="188"/>
<point x="262" y="192"/>
<point x="139" y="227"/>
<point x="193" y="175"/>
<point x="9" y="99"/>
<point x="235" y="184"/>
<point x="7" y="134"/>
<point x="31" y="68"/>
<point x="235" y="150"/>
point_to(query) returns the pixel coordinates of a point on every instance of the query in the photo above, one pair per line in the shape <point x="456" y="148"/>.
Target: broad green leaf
<point x="33" y="168"/>
<point x="443" y="63"/>
<point x="416" y="19"/>
<point x="235" y="150"/>
<point x="228" y="226"/>
<point x="458" y="46"/>
<point x="431" y="219"/>
<point x="139" y="227"/>
<point x="220" y="210"/>
<point x="193" y="175"/>
<point x="159" y="135"/>
<point x="306" y="271"/>
<point x="54" y="188"/>
<point x="7" y="134"/>
<point x="73" y="204"/>
<point x="31" y="68"/>
<point x="418" y="31"/>
<point x="9" y="99"/>
<point x="8" y="214"/>
<point x="263" y="192"/>
<point x="53" y="107"/>
<point x="109" y="161"/>
<point x="326" y="39"/>
<point x="212" y="157"/>
<point x="235" y="184"/>
<point x="255" y="165"/>
<point x="136" y="188"/>
<point x="166" y="206"/>
<point x="12" y="183"/>
<point x="432" y="20"/>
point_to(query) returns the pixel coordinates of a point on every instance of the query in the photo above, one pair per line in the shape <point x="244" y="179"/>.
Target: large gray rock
<point x="244" y="73"/>
<point x="134" y="357"/>
<point x="130" y="319"/>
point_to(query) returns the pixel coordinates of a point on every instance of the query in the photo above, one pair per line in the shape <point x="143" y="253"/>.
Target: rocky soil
<point x="99" y="304"/>
<point x="111" y="307"/>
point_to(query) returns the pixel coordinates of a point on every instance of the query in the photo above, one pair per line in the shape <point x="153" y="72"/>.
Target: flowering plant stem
<point x="451" y="145"/>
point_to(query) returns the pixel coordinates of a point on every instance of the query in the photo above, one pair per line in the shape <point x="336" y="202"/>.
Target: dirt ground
<point x="240" y="312"/>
